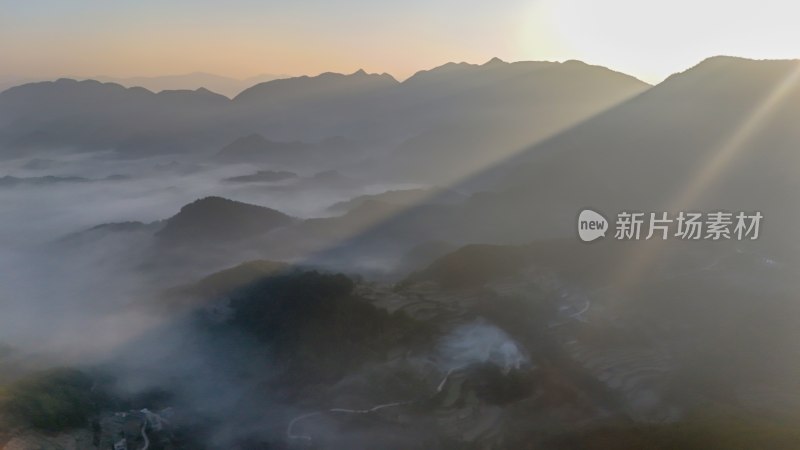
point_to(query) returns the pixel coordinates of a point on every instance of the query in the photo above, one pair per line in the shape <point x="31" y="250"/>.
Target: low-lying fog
<point x="63" y="301"/>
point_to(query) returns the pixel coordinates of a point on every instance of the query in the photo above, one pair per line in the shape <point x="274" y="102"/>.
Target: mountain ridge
<point x="376" y="107"/>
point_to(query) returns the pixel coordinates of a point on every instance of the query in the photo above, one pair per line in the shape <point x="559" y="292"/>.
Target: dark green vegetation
<point x="318" y="326"/>
<point x="54" y="400"/>
<point x="228" y="280"/>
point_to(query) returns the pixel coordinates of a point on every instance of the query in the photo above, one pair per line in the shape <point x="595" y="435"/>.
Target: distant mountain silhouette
<point x="318" y="107"/>
<point x="11" y="181"/>
<point x="513" y="104"/>
<point x="262" y="176"/>
<point x="321" y="88"/>
<point x="9" y="81"/>
<point x="91" y="115"/>
<point x="227" y="86"/>
<point x="474" y="115"/>
<point x="218" y="220"/>
<point x="400" y="198"/>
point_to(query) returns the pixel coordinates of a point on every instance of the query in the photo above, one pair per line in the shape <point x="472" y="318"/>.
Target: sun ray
<point x="642" y="256"/>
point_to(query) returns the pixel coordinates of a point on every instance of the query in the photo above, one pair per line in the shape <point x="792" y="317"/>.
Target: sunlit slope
<point x="720" y="136"/>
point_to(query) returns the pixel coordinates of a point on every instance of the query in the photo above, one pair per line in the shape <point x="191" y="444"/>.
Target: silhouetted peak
<point x="717" y="62"/>
<point x="213" y="219"/>
<point x="65" y="84"/>
<point x="502" y="70"/>
<point x="285" y="87"/>
<point x="729" y="67"/>
<point x="226" y="209"/>
<point x="450" y="67"/>
<point x="211" y="202"/>
<point x="360" y="74"/>
<point x="724" y="59"/>
<point x="494" y="61"/>
<point x="200" y="93"/>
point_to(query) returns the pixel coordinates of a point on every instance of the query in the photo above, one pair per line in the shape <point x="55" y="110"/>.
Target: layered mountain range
<point x="351" y="261"/>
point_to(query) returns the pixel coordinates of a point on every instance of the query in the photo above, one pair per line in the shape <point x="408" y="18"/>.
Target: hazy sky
<point x="241" y="38"/>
